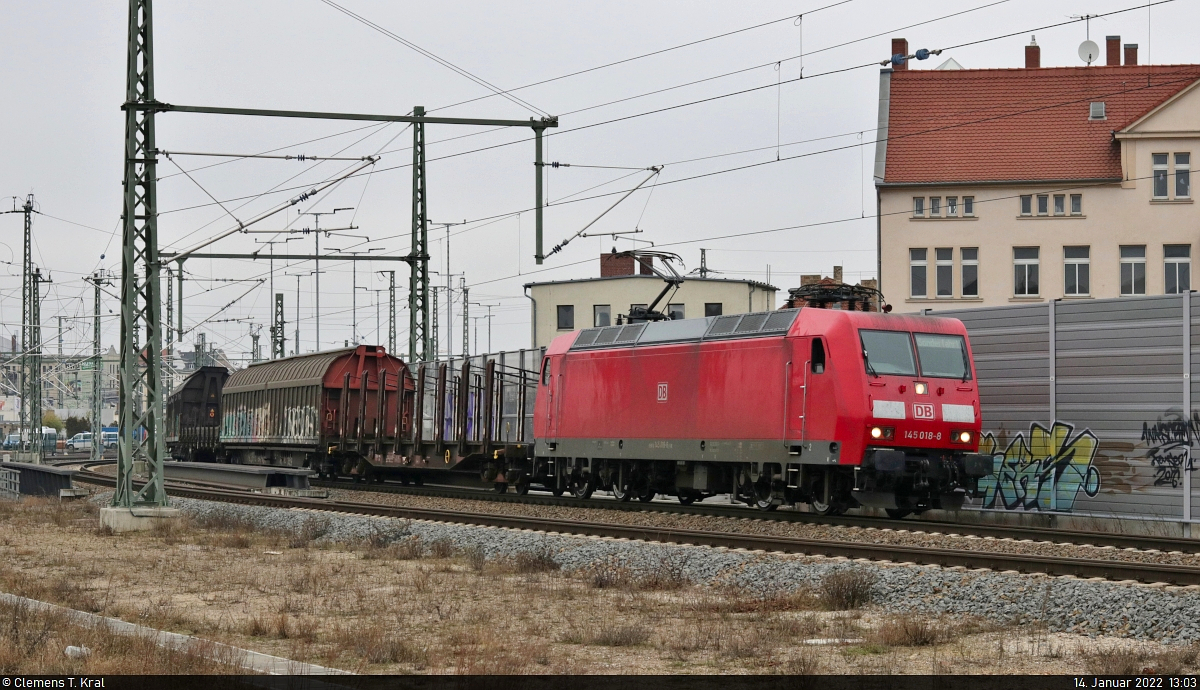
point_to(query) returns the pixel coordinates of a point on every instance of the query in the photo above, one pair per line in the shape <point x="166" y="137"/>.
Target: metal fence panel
<point x="1087" y="405"/>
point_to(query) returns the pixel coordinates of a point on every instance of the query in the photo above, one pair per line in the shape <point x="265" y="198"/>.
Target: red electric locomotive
<point x="832" y="408"/>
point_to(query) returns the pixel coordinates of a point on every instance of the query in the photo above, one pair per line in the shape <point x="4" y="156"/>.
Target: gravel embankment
<point x="767" y="526"/>
<point x="1064" y="604"/>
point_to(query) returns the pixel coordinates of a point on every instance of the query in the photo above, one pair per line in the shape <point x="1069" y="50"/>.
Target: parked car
<point x="12" y="442"/>
<point x="109" y="438"/>
<point x="80" y="441"/>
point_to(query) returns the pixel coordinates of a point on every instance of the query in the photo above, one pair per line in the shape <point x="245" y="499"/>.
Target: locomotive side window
<point x="942" y="356"/>
<point x="888" y="352"/>
<point x="546" y="371"/>
<point x="818" y="356"/>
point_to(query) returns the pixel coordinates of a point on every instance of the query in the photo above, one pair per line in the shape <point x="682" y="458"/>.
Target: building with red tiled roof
<point x="1012" y="185"/>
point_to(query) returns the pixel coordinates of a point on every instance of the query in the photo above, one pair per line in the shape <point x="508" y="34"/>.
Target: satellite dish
<point x="1089" y="52"/>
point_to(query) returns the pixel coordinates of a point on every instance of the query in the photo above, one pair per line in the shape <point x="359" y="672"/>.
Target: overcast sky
<point x="63" y="81"/>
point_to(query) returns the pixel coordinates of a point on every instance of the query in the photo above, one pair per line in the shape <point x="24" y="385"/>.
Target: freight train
<point x="836" y="409"/>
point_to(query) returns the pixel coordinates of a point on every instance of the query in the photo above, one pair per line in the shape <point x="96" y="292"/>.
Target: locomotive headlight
<point x="965" y="437"/>
<point x="921" y="388"/>
<point x="876" y="432"/>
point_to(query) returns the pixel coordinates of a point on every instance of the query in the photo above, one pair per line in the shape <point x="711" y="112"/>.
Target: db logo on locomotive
<point x="923" y="411"/>
<point x="662" y="392"/>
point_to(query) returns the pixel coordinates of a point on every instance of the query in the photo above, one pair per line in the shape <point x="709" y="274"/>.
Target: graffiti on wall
<point x="254" y="424"/>
<point x="1044" y="470"/>
<point x="1170" y="439"/>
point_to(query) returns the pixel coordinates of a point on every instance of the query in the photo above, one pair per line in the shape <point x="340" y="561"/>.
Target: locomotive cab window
<point x="888" y="352"/>
<point x="942" y="356"/>
<point x="818" y="356"/>
<point x="546" y="371"/>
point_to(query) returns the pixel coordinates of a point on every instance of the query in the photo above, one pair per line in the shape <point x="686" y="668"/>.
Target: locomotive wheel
<point x="762" y="497"/>
<point x="582" y="485"/>
<point x="646" y="493"/>
<point x="620" y="486"/>
<point x="522" y="486"/>
<point x="897" y="513"/>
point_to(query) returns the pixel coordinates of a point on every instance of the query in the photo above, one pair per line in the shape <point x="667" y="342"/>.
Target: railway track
<point x="1040" y="534"/>
<point x="894" y="553"/>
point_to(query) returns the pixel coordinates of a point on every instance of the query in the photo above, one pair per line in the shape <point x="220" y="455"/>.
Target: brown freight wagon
<point x="323" y="411"/>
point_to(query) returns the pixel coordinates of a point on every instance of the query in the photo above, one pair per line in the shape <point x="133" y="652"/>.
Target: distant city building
<point x="562" y="306"/>
<point x="998" y="186"/>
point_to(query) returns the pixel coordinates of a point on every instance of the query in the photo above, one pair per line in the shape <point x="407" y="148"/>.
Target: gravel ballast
<point x="1160" y="613"/>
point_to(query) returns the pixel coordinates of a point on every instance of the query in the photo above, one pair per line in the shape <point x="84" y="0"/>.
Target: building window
<point x="1133" y="269"/>
<point x="970" y="271"/>
<point x="918" y="207"/>
<point x="1076" y="204"/>
<point x="917" y="267"/>
<point x="1183" y="175"/>
<point x="1060" y="204"/>
<point x="1027" y="204"/>
<point x="968" y="205"/>
<point x="1043" y="204"/>
<point x="1025" y="271"/>
<point x="566" y="317"/>
<point x="602" y="315"/>
<point x="1159" y="168"/>
<point x="675" y="311"/>
<point x="935" y="206"/>
<point x="945" y="271"/>
<point x="1096" y="110"/>
<point x="1078" y="269"/>
<point x="951" y="207"/>
<point x="1178" y="262"/>
<point x="712" y="309"/>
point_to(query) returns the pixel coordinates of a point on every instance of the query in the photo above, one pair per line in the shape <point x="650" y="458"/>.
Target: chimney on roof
<point x="1033" y="54"/>
<point x="614" y="265"/>
<point x="900" y="47"/>
<point x="837" y="274"/>
<point x="1112" y="51"/>
<point x="1130" y="53"/>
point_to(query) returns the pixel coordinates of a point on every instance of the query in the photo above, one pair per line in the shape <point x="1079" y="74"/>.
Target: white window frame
<point x="913" y="264"/>
<point x="948" y="265"/>
<point x="1185" y="168"/>
<point x="918" y="207"/>
<point x="935" y="207"/>
<point x="1025" y="264"/>
<point x="1043" y="204"/>
<point x="1133" y="262"/>
<point x="1171" y="266"/>
<point x="1160" y="172"/>
<point x="1071" y="265"/>
<point x="1026" y="201"/>
<point x="968" y="206"/>
<point x="951" y="207"/>
<point x="964" y="263"/>
<point x="1060" y="204"/>
<point x="1079" y="198"/>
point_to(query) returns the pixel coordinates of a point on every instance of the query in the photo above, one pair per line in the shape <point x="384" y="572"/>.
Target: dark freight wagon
<point x="193" y="415"/>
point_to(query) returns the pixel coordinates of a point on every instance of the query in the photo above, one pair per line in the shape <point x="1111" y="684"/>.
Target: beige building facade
<point x="560" y="307"/>
<point x="1115" y="217"/>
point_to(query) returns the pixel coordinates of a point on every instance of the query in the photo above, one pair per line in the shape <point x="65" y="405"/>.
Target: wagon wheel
<point x="687" y="499"/>
<point x="522" y="486"/>
<point x="582" y="485"/>
<point x="897" y="513"/>
<point x="419" y="480"/>
<point x="501" y="487"/>
<point x="404" y="480"/>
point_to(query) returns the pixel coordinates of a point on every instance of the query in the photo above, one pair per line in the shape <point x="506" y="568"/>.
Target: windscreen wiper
<point x="966" y="365"/>
<point x="867" y="361"/>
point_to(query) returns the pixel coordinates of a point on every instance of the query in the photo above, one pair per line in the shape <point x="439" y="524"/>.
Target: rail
<point x="896" y="553"/>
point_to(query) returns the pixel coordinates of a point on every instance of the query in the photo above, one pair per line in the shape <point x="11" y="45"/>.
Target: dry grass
<point x="34" y="642"/>
<point x="847" y="588"/>
<point x="394" y="603"/>
<point x="1140" y="660"/>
